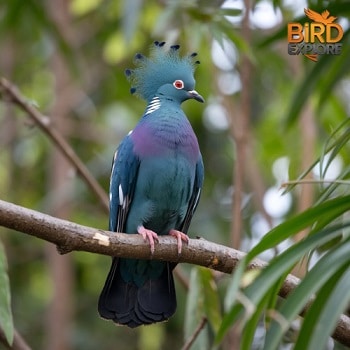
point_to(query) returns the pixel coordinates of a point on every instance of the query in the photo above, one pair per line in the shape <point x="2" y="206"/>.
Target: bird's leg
<point x="180" y="236"/>
<point x="149" y="235"/>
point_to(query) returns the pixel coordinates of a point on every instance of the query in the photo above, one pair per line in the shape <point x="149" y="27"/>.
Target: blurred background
<point x="266" y="119"/>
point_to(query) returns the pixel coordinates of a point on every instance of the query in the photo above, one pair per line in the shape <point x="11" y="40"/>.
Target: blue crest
<point x="162" y="67"/>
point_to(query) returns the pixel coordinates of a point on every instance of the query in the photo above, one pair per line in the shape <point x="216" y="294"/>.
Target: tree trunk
<point x="60" y="311"/>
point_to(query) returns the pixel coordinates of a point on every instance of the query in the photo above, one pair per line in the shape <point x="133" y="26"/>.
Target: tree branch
<point x="69" y="236"/>
<point x="18" y="342"/>
<point x="195" y="334"/>
<point x="13" y="94"/>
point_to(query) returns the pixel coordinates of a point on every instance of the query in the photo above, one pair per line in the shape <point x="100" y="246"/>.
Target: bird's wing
<point x="122" y="184"/>
<point x="315" y="16"/>
<point x="196" y="193"/>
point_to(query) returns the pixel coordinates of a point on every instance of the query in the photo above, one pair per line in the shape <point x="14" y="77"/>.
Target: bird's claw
<point x="148" y="235"/>
<point x="180" y="236"/>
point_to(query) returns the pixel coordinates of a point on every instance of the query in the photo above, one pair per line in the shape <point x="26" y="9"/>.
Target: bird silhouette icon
<point x="320" y="17"/>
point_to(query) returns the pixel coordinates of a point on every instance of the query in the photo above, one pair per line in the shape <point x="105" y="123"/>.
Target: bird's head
<point x="164" y="73"/>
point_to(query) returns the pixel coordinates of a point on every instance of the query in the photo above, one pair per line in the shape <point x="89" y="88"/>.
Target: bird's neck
<point x="161" y="100"/>
<point x="153" y="105"/>
<point x="163" y="128"/>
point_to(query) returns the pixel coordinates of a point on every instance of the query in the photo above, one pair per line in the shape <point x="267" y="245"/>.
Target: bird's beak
<point x="195" y="95"/>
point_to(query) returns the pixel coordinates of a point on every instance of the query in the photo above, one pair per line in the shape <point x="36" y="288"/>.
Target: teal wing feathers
<point x="196" y="193"/>
<point x="122" y="184"/>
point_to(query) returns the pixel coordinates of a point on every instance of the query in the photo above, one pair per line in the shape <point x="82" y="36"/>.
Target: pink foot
<point x="148" y="235"/>
<point x="180" y="236"/>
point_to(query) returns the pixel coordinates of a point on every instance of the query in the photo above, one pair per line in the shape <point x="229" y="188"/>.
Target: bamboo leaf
<point x="195" y="311"/>
<point x="306" y="88"/>
<point x="333" y="306"/>
<point x="285" y="261"/>
<point x="233" y="287"/>
<point x="320" y="321"/>
<point x="265" y="283"/>
<point x="211" y="299"/>
<point x="252" y="324"/>
<point x="6" y="321"/>
<point x="315" y="279"/>
<point x="339" y="68"/>
<point x="329" y="209"/>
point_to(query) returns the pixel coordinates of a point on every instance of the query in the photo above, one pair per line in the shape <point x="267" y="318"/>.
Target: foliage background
<point x="268" y="116"/>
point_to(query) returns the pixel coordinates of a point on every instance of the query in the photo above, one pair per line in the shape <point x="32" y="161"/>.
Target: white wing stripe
<point x="121" y="195"/>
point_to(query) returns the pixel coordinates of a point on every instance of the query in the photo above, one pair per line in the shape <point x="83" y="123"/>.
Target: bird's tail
<point x="131" y="305"/>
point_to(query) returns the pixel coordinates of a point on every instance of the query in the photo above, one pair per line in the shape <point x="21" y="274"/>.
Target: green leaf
<point x="230" y="12"/>
<point x="306" y="88"/>
<point x="339" y="68"/>
<point x="285" y="261"/>
<point x="266" y="281"/>
<point x="211" y="297"/>
<point x="82" y="7"/>
<point x="324" y="312"/>
<point x="333" y="145"/>
<point x="195" y="311"/>
<point x="6" y="320"/>
<point x="233" y="287"/>
<point x="252" y="324"/>
<point x="329" y="209"/>
<point x="316" y="278"/>
<point x="333" y="306"/>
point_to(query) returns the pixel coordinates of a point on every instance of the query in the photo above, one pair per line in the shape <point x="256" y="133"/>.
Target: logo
<point x="320" y="37"/>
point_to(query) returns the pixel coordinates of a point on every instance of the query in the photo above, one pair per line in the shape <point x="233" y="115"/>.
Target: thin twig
<point x="195" y="334"/>
<point x="314" y="182"/>
<point x="18" y="342"/>
<point x="13" y="94"/>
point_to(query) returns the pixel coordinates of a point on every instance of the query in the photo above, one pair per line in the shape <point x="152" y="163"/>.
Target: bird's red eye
<point x="178" y="84"/>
